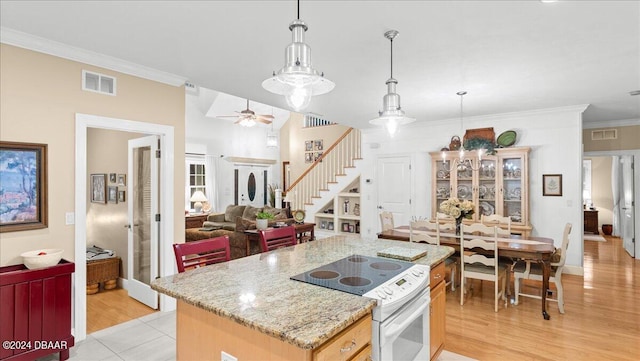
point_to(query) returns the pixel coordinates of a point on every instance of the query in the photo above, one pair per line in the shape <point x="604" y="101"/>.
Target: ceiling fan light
<point x="247" y="122"/>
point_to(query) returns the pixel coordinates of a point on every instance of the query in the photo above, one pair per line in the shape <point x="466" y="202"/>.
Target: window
<point x="196" y="179"/>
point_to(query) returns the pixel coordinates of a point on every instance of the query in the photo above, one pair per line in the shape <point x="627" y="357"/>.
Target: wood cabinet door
<point x="437" y="319"/>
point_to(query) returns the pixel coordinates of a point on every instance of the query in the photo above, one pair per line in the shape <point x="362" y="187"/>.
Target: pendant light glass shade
<point x="298" y="81"/>
<point x="392" y="114"/>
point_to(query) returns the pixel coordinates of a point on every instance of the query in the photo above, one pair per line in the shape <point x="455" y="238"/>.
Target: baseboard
<point x="573" y="270"/>
<point x="123" y="283"/>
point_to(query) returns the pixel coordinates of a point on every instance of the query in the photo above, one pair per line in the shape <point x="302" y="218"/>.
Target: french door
<point x="143" y="240"/>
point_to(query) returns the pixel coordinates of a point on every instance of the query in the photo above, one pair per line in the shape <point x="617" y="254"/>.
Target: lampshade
<point x="198" y="197"/>
<point x="392" y="114"/>
<point x="298" y="81"/>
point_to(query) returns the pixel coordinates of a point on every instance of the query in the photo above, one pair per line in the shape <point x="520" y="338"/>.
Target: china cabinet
<point x="496" y="184"/>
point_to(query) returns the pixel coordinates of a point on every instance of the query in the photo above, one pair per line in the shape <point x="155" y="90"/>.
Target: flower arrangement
<point x="457" y="208"/>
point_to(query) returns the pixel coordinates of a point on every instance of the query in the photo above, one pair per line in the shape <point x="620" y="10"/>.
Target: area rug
<point x="450" y="356"/>
<point x="594" y="237"/>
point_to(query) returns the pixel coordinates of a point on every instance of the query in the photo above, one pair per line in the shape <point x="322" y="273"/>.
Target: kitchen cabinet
<point x="591" y="221"/>
<point x="495" y="184"/>
<point x="437" y="317"/>
<point x="342" y="214"/>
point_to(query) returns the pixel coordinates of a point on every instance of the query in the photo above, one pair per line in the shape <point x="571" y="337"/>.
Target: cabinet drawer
<point x="437" y="274"/>
<point x="347" y="343"/>
<point x="364" y="355"/>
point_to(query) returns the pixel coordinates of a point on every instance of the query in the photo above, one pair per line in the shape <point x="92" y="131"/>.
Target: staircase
<point x="331" y="172"/>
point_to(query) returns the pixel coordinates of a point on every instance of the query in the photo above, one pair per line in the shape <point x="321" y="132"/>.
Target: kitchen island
<point x="251" y="309"/>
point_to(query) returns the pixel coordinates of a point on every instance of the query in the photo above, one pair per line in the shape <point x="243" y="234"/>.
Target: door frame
<point x="167" y="144"/>
<point x="636" y="186"/>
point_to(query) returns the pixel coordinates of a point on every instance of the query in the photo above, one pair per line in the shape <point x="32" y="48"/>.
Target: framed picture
<point x="23" y="176"/>
<point x="308" y="145"/>
<point x="351" y="228"/>
<point x="121" y="196"/>
<point x="308" y="157"/>
<point x="122" y="179"/>
<point x="330" y="226"/>
<point x="99" y="188"/>
<point x="345" y="227"/>
<point x="317" y="156"/>
<point x="318" y="144"/>
<point x="112" y="194"/>
<point x="323" y="224"/>
<point x="112" y="178"/>
<point x="552" y="184"/>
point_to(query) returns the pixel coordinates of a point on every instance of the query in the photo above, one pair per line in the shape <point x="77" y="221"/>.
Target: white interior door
<point x="394" y="188"/>
<point x="143" y="232"/>
<point x="627" y="213"/>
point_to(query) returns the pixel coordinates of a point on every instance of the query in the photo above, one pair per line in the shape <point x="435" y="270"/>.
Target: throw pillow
<point x="250" y="212"/>
<point x="243" y="224"/>
<point x="278" y="213"/>
<point x="232" y="212"/>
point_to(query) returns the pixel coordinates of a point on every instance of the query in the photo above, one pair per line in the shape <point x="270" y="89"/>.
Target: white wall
<point x="554" y="136"/>
<point x="223" y="139"/>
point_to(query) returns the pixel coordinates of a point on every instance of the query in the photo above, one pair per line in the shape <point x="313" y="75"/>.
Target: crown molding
<point x="611" y="124"/>
<point x="47" y="46"/>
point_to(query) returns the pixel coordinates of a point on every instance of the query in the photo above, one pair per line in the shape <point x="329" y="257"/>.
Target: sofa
<point x="242" y="217"/>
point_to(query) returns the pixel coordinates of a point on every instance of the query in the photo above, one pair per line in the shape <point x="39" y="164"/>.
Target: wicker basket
<point x="103" y="270"/>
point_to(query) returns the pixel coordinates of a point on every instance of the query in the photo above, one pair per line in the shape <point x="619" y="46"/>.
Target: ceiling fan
<point x="248" y="118"/>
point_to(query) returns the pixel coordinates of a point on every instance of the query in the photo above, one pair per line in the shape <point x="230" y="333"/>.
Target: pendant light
<point x="298" y="81"/>
<point x="462" y="163"/>
<point x="392" y="114"/>
<point x="272" y="137"/>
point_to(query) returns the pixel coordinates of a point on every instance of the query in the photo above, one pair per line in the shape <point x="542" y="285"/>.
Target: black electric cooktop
<point x="355" y="274"/>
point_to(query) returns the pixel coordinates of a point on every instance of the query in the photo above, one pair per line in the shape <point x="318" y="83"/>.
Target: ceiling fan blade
<point x="263" y="121"/>
<point x="265" y="116"/>
<point x="226" y="116"/>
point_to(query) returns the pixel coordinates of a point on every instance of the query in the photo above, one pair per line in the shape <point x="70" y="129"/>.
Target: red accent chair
<point x="201" y="253"/>
<point x="274" y="238"/>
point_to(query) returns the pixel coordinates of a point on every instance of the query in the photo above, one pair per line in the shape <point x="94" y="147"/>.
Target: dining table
<point x="536" y="249"/>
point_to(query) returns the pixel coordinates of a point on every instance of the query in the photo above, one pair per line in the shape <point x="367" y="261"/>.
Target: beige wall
<point x="601" y="194"/>
<point x="628" y="138"/>
<point x="295" y="140"/>
<point x="39" y="97"/>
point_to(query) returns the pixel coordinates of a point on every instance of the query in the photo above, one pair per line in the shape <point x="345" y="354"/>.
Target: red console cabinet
<point x="35" y="311"/>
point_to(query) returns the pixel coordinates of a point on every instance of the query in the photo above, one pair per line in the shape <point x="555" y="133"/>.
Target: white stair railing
<point x="332" y="163"/>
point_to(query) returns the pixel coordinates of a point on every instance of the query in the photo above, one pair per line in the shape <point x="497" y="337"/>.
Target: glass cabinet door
<point x="512" y="188"/>
<point x="464" y="182"/>
<point x="442" y="182"/>
<point x="486" y="187"/>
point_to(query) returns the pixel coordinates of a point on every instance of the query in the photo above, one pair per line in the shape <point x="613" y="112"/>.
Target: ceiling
<point x="508" y="55"/>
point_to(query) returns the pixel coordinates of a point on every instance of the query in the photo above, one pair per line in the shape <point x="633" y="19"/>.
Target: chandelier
<point x="392" y="114"/>
<point x="461" y="163"/>
<point x="298" y="81"/>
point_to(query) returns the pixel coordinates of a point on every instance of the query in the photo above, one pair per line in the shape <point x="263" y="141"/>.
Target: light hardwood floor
<point x="601" y="320"/>
<point x="112" y="307"/>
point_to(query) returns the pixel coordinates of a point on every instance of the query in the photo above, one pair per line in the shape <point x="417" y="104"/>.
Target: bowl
<point x="41" y="258"/>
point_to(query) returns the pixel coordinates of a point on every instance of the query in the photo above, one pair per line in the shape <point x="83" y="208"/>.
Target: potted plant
<point x="262" y="220"/>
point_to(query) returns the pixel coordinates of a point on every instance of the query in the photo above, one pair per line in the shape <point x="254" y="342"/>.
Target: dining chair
<point x="445" y="222"/>
<point x="479" y="260"/>
<point x="386" y="220"/>
<point x="417" y="234"/>
<point x="503" y="223"/>
<point x="274" y="238"/>
<point x="527" y="270"/>
<point x="201" y="253"/>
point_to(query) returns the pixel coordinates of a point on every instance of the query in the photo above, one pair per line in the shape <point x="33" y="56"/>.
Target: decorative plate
<point x="506" y="139"/>
<point x="517" y="193"/>
<point x="486" y="208"/>
<point x="298" y="216"/>
<point x="482" y="191"/>
<point x="463" y="191"/>
<point x="441" y="174"/>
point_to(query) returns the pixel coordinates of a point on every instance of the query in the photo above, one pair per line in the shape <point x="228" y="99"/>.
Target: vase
<point x="262" y="223"/>
<point x="458" y="223"/>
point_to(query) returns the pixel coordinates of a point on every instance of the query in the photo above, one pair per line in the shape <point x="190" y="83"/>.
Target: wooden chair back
<point x="201" y="253"/>
<point x="274" y="238"/>
<point x="417" y="229"/>
<point x="503" y="223"/>
<point x="386" y="220"/>
<point x="446" y="223"/>
<point x="565" y="245"/>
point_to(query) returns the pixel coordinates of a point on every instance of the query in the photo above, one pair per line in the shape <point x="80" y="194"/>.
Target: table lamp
<point x="198" y="197"/>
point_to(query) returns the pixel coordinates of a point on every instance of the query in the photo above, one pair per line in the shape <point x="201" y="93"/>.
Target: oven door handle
<point x="393" y="331"/>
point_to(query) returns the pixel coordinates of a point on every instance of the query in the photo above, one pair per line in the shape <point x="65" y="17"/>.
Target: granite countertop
<point x="256" y="291"/>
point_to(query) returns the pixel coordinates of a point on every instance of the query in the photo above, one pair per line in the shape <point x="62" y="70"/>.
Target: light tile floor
<point x="152" y="338"/>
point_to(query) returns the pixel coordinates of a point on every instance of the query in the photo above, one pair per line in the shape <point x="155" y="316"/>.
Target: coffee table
<point x="304" y="232"/>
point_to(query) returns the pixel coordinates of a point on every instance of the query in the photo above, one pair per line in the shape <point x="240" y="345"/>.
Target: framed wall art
<point x="121" y="196"/>
<point x="122" y="179"/>
<point x="112" y="194"/>
<point x="23" y="176"/>
<point x="112" y="178"/>
<point x="552" y="184"/>
<point x="98" y="188"/>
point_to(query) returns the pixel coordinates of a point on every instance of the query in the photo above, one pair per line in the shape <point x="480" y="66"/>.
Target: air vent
<point x="313" y="120"/>
<point x="604" y="134"/>
<point x="99" y="83"/>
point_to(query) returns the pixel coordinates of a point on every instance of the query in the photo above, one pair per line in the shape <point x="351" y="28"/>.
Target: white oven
<point x="400" y="327"/>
